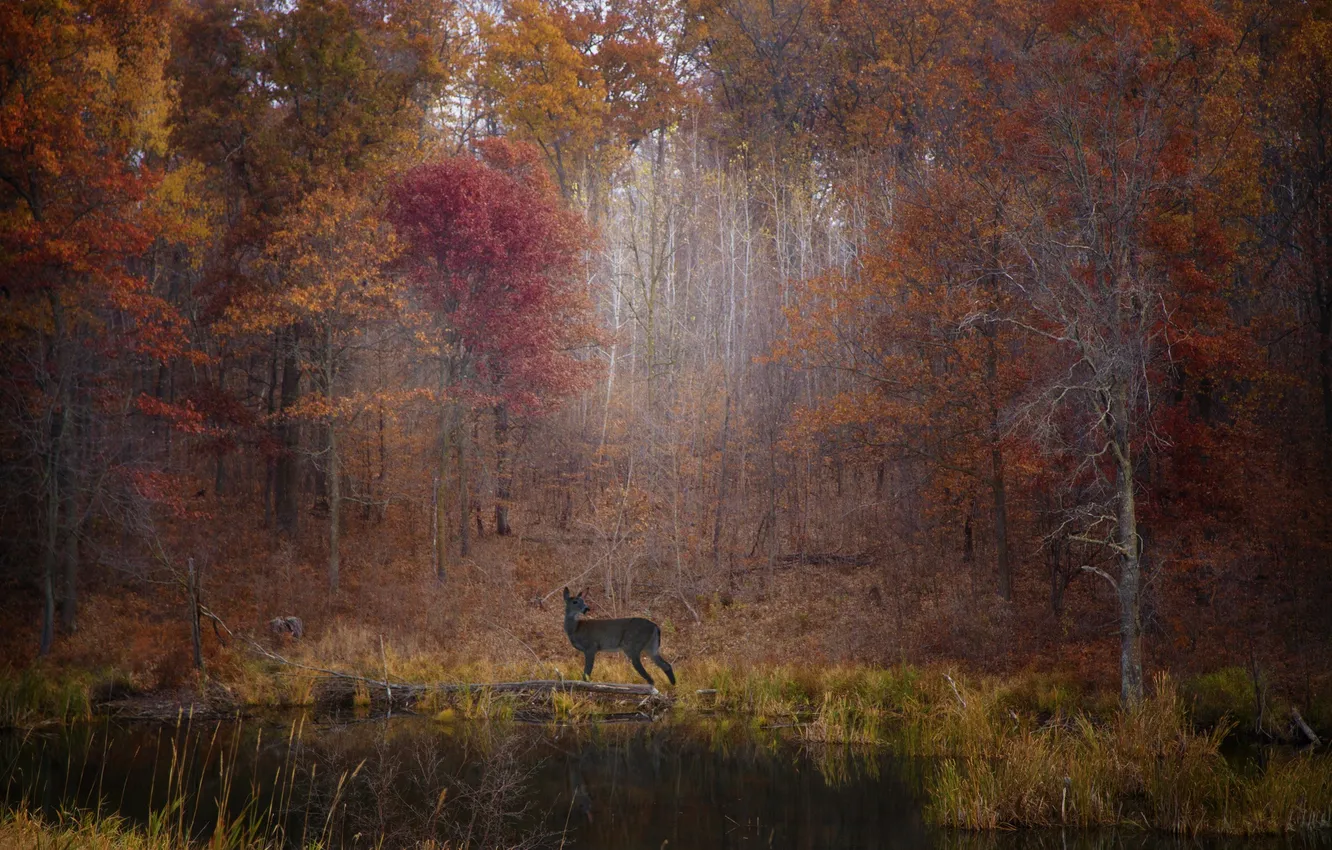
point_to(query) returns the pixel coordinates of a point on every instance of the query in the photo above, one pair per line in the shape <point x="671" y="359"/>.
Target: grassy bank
<point x="38" y="695"/>
<point x="1032" y="750"/>
<point x="20" y="828"/>
<point x="1027" y="751"/>
<point x="1147" y="766"/>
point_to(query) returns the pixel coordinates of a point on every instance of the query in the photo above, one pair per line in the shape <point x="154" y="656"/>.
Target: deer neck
<point x="570" y="624"/>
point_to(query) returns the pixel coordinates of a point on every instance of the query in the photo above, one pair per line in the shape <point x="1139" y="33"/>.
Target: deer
<point x="631" y="635"/>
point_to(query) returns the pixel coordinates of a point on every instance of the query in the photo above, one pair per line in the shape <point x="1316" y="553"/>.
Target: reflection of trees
<point x="722" y="784"/>
<point x="410" y="782"/>
<point x="1088" y="839"/>
<point x="403" y="786"/>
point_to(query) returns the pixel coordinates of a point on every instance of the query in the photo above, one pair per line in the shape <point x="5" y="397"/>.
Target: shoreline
<point x="1003" y="754"/>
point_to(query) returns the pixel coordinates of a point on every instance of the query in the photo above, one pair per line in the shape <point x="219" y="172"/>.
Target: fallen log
<point x="536" y="685"/>
<point x="406" y="691"/>
<point x="338" y="686"/>
<point x="1303" y="727"/>
<point x="335" y="688"/>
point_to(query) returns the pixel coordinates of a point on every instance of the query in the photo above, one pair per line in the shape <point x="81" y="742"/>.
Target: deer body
<point x="631" y="635"/>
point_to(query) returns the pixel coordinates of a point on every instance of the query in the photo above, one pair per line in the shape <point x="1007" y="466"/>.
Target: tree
<point x="583" y="83"/>
<point x="1300" y="154"/>
<point x="1114" y="140"/>
<point x="492" y="253"/>
<point x="915" y="327"/>
<point x="280" y="100"/>
<point x="79" y="88"/>
<point x="332" y="249"/>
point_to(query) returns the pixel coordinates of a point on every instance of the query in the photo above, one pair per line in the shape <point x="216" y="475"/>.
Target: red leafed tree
<point x="497" y="259"/>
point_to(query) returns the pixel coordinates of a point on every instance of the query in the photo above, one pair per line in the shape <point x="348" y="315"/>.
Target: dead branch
<point x="1307" y="732"/>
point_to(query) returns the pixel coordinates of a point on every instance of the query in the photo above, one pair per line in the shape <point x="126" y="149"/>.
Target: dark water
<point x="715" y="783"/>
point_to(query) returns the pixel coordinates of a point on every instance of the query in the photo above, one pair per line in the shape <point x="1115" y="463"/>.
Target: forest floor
<point x="499" y="616"/>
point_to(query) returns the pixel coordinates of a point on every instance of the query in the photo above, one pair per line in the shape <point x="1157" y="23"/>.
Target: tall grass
<point x="1147" y="765"/>
<point x="23" y="828"/>
<point x="175" y="798"/>
<point x="38" y="696"/>
<point x="1034" y="750"/>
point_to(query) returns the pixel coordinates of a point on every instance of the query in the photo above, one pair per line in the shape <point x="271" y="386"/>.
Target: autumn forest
<point x="822" y="332"/>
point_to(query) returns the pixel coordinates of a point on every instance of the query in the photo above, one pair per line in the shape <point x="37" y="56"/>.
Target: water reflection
<point x="410" y="780"/>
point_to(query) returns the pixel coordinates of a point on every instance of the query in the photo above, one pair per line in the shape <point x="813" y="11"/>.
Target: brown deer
<point x="631" y="635"/>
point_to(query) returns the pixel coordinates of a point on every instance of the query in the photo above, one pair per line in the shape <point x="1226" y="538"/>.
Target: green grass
<point x="37" y="695"/>
<point x="1222" y="696"/>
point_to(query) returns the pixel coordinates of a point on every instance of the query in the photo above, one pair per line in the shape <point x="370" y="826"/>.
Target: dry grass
<point x="1147" y="766"/>
<point x="22" y="829"/>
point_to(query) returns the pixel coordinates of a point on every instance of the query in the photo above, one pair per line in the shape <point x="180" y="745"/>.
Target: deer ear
<point x="566" y="593"/>
<point x="582" y="593"/>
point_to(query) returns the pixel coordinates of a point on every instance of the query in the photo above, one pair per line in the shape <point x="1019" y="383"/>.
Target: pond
<point x="353" y="782"/>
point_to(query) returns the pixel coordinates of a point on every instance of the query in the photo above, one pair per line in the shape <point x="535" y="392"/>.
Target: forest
<point x="975" y="335"/>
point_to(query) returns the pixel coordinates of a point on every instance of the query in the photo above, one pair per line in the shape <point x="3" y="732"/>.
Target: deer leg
<point x="588" y="657"/>
<point x="637" y="661"/>
<point x="664" y="665"/>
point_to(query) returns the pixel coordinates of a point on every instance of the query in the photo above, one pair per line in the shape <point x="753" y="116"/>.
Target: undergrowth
<point x="1147" y="765"/>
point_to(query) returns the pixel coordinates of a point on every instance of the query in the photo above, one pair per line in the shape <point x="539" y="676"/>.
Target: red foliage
<point x="497" y="258"/>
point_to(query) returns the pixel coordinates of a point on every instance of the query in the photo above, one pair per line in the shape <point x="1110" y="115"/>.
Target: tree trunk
<point x="447" y="416"/>
<point x="333" y="472"/>
<point x="1130" y="579"/>
<point x="51" y="550"/>
<point x="192" y="592"/>
<point x="69" y="546"/>
<point x="381" y="484"/>
<point x="438" y="562"/>
<point x="721" y="488"/>
<point x="1323" y="302"/>
<point x="503" y="474"/>
<point x="48" y="607"/>
<point x="1325" y="355"/>
<point x="69" y="604"/>
<point x="1056" y="588"/>
<point x="270" y="463"/>
<point x="334" y="509"/>
<point x="287" y="479"/>
<point x="997" y="470"/>
<point x="464" y="500"/>
<point x="1000" y="522"/>
<point x="56" y="477"/>
<point x="319" y="471"/>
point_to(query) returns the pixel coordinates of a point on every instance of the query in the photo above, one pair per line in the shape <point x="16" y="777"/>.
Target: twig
<point x="956" y="692"/>
<point x="388" y="690"/>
